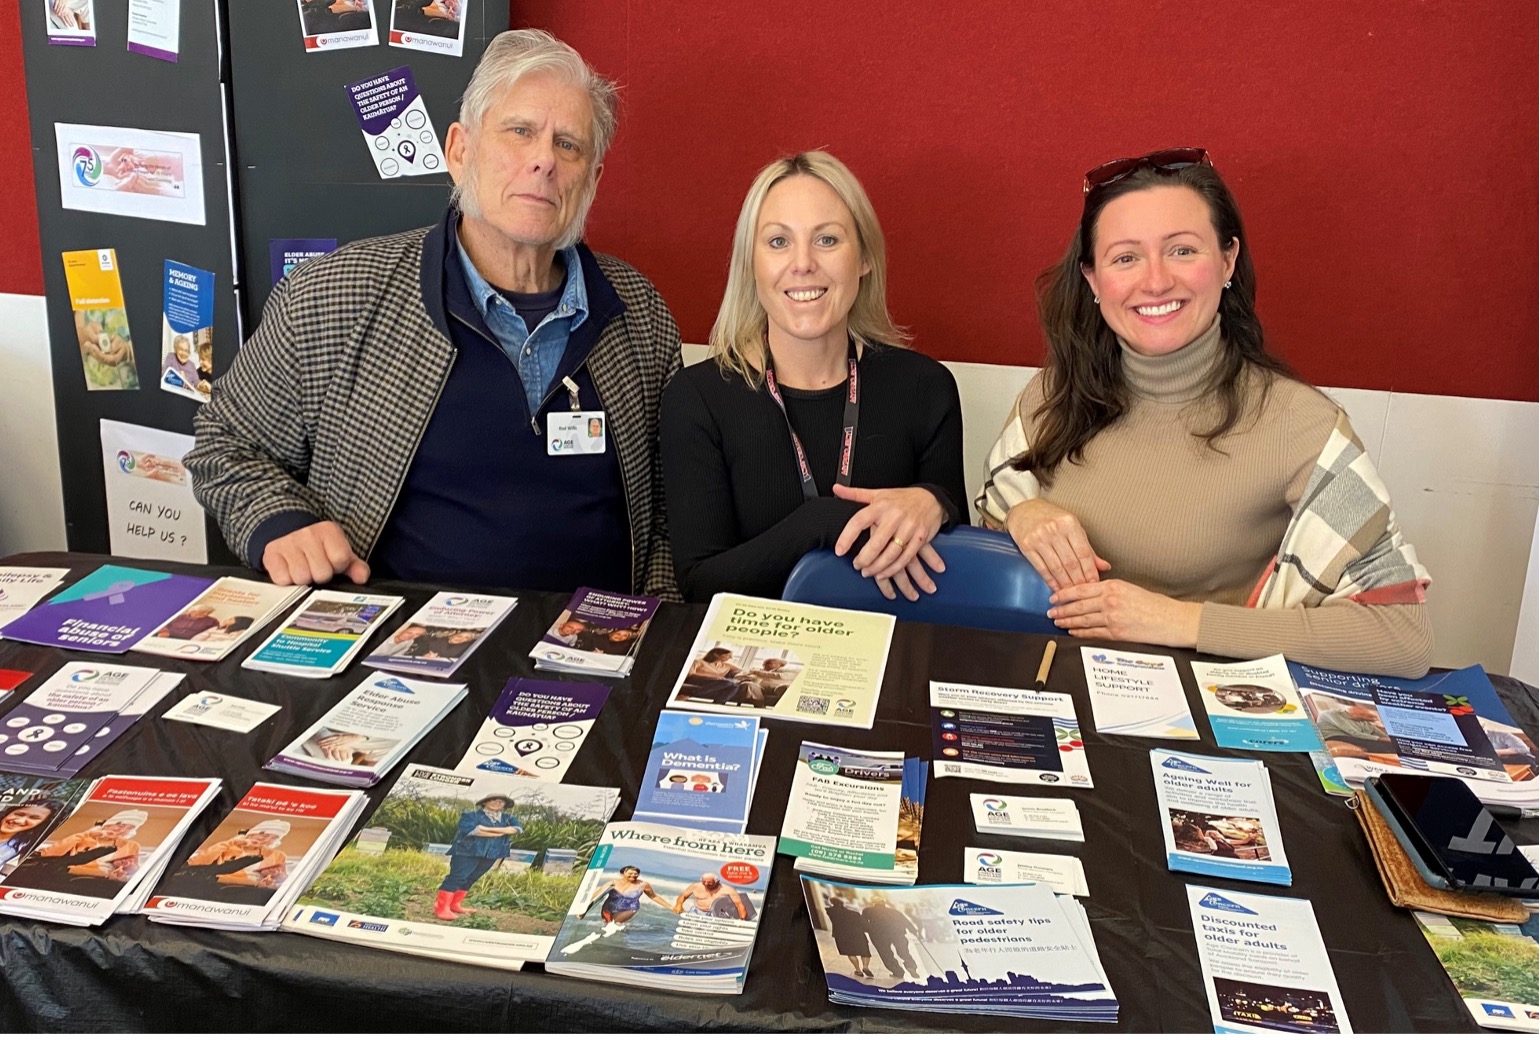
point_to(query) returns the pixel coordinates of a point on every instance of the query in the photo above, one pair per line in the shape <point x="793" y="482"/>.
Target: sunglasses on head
<point x="1166" y="159"/>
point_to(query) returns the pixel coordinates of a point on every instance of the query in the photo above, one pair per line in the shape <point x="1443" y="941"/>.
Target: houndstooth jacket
<point x="323" y="408"/>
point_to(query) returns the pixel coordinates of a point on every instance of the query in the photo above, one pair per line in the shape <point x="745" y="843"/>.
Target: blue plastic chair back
<point x="987" y="584"/>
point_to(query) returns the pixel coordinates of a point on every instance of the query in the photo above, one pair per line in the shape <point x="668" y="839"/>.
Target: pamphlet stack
<point x="231" y="611"/>
<point x="60" y="727"/>
<point x="597" y="634"/>
<point x="323" y="636"/>
<point x="1217" y="817"/>
<point x="438" y="638"/>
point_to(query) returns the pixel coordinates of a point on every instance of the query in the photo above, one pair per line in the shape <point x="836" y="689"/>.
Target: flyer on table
<point x="129" y="172"/>
<point x="786" y="661"/>
<point x="323" y="633"/>
<point x="1265" y="968"/>
<point x="231" y="611"/>
<point x="336" y="25"/>
<point x="1137" y="695"/>
<point x="1006" y="735"/>
<point x="1218" y="818"/>
<point x="843" y="806"/>
<point x="187" y="331"/>
<point x="701" y="771"/>
<point x="1492" y="966"/>
<point x="30" y="808"/>
<point x="535" y="728"/>
<point x="437" y="26"/>
<point x="108" y="610"/>
<point x="1253" y="706"/>
<point x="151" y="511"/>
<point x="436" y="639"/>
<point x="101" y="323"/>
<point x="397" y="128"/>
<point x="76" y="709"/>
<point x="22" y="587"/>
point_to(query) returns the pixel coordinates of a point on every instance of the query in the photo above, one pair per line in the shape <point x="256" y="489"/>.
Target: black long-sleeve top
<point x="737" y="518"/>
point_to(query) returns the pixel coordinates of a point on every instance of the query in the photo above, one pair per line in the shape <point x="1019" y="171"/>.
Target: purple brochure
<point x="109" y="610"/>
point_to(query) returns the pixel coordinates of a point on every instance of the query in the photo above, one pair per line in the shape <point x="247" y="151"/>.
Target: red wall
<point x="1383" y="152"/>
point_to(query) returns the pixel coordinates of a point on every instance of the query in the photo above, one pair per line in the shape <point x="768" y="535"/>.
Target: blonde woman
<point x="814" y="428"/>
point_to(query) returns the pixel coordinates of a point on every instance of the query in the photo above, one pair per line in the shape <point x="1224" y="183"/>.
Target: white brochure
<point x="1265" y="968"/>
<point x="22" y="587"/>
<point x="1137" y="695"/>
<point x="1064" y="874"/>
<point x="1218" y="817"/>
<point x="1057" y="818"/>
<point x="221" y="711"/>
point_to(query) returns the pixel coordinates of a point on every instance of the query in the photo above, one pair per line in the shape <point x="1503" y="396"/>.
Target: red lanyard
<point x="847" y="437"/>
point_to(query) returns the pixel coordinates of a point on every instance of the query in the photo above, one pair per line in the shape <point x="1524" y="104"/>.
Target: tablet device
<point x="1455" y="835"/>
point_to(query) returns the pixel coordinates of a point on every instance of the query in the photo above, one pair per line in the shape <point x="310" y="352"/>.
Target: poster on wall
<point x="155" y="28"/>
<point x="396" y="125"/>
<point x="101" y="323"/>
<point x="154" y="174"/>
<point x="334" y="25"/>
<point x="285" y="254"/>
<point x="437" y="27"/>
<point x="151" y="512"/>
<point x="187" y="331"/>
<point x="71" y="22"/>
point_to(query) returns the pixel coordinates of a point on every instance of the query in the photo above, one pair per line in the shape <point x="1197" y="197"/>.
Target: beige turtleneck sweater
<point x="1174" y="516"/>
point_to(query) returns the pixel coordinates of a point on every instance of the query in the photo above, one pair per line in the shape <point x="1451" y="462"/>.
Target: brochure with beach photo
<point x="1015" y="950"/>
<point x="107" y="611"/>
<point x="788" y="661"/>
<point x="1008" y="736"/>
<point x="667" y="908"/>
<point x="323" y="636"/>
<point x="104" y="857"/>
<point x="598" y="633"/>
<point x="1265" y="968"/>
<point x="1218" y="818"/>
<point x="1253" y="706"/>
<point x="536" y="728"/>
<point x="477" y="868"/>
<point x="371" y="729"/>
<point x="22" y="587"/>
<point x="438" y="638"/>
<point x="701" y="772"/>
<point x="246" y="874"/>
<point x="230" y="612"/>
<point x="1450" y="723"/>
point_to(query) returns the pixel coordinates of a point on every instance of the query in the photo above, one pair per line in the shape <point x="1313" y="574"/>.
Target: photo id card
<point x="576" y="433"/>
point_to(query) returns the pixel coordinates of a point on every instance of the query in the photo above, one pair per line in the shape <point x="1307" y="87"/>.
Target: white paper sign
<point x="1265" y="968"/>
<point x="126" y="172"/>
<point x="221" y="711"/>
<point x="151" y="512"/>
<point x="1136" y="695"/>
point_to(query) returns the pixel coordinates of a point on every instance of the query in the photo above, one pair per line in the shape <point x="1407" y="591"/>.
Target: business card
<point x="221" y="711"/>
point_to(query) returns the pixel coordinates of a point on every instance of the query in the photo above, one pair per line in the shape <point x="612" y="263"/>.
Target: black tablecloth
<point x="132" y="974"/>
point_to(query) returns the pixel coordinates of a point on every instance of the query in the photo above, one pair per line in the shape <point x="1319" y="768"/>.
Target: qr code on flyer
<point x="812" y="705"/>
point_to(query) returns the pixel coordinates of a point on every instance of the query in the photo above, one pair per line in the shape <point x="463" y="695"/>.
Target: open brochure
<point x="369" y="731"/>
<point x="842" y="811"/>
<point x="597" y="634"/>
<point x="231" y="611"/>
<point x="1217" y="817"/>
<point x="1014" y="950"/>
<point x="109" y="852"/>
<point x="247" y="873"/>
<point x="438" y="638"/>
<point x="667" y="908"/>
<point x="1008" y="736"/>
<point x="1448" y="722"/>
<point x="786" y="661"/>
<point x="472" y="867"/>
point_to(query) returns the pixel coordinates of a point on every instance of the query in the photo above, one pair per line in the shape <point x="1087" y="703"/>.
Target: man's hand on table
<point x="313" y="555"/>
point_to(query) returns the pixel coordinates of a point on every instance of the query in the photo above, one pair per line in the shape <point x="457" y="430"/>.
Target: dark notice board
<point x="304" y="167"/>
<point x="106" y="85"/>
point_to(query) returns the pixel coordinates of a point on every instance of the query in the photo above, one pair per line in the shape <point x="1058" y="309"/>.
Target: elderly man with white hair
<point x="421" y="405"/>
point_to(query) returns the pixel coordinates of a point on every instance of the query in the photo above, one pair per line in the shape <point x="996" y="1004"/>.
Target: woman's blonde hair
<point x="738" y="336"/>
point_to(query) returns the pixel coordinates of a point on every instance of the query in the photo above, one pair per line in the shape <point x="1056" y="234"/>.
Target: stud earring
<point x="1227" y="285"/>
<point x="1096" y="299"/>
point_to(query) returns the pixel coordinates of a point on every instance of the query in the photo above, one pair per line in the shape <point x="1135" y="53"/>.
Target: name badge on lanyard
<point x="575" y="432"/>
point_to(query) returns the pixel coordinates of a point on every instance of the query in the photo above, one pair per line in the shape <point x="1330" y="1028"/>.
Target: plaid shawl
<point x="1342" y="542"/>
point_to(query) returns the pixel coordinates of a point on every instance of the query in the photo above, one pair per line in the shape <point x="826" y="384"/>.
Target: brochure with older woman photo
<point x="221" y="619"/>
<point x="477" y="868"/>
<point x="786" y="661"/>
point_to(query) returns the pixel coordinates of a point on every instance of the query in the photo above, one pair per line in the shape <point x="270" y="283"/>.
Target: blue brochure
<point x="701" y="771"/>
